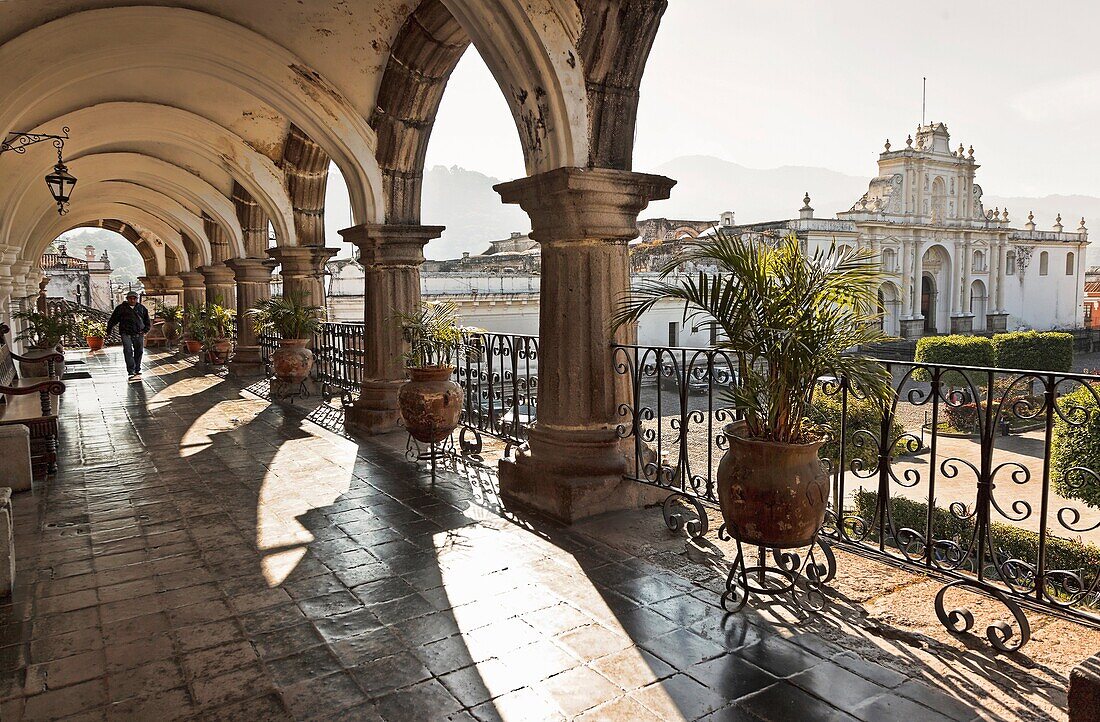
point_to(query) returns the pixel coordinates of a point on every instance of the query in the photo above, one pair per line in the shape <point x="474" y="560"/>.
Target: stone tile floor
<point x="203" y="554"/>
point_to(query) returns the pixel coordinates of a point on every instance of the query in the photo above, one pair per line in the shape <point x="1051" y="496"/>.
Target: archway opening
<point x="84" y="264"/>
<point x="978" y="305"/>
<point x="928" y="303"/>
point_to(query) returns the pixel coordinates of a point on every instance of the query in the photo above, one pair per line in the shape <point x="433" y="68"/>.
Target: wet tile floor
<point x="203" y="554"/>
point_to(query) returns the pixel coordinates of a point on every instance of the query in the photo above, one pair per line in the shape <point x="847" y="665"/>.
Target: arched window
<point x="1010" y="262"/>
<point x="979" y="261"/>
<point x="890" y="260"/>
<point x="1044" y="263"/>
<point x="1070" y="268"/>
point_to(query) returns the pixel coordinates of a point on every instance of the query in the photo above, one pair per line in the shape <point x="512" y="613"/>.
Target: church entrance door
<point x="928" y="304"/>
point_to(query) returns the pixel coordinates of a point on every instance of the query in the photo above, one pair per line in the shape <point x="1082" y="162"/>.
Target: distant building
<point x="86" y="281"/>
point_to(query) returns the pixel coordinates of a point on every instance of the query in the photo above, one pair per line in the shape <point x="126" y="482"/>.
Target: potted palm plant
<point x="173" y="319"/>
<point x="294" y="321"/>
<point x="430" y="402"/>
<point x="44" y="334"/>
<point x="789" y="319"/>
<point x="194" y="323"/>
<point x="218" y="325"/>
<point x="93" y="331"/>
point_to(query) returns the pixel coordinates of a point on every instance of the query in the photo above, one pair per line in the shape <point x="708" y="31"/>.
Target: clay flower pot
<point x="193" y="346"/>
<point x="218" y="351"/>
<point x="171" y="332"/>
<point x="431" y="403"/>
<point x="293" y="360"/>
<point x="95" y="343"/>
<point x="772" y="494"/>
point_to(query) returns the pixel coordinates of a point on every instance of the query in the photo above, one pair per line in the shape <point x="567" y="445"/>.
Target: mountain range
<point x="464" y="201"/>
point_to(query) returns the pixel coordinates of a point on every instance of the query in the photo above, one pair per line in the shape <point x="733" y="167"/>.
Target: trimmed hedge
<point x="862" y="414"/>
<point x="957" y="349"/>
<point x="1034" y="350"/>
<point x="1074" y="446"/>
<point x="1013" y="541"/>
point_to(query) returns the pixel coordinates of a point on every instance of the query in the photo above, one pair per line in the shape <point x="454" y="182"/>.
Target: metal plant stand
<point x="800" y="575"/>
<point x="286" y="391"/>
<point x="415" y="451"/>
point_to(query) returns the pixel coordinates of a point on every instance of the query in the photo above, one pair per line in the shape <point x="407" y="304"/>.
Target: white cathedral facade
<point x="953" y="265"/>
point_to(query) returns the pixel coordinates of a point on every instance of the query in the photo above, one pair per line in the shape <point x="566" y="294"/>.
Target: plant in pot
<point x="173" y="322"/>
<point x="789" y="319"/>
<point x="93" y="331"/>
<point x="218" y="323"/>
<point x="194" y="323"/>
<point x="294" y="321"/>
<point x="44" y="334"/>
<point x="430" y="402"/>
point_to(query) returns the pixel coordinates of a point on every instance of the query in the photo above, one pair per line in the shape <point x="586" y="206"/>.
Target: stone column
<point x="220" y="286"/>
<point x="910" y="325"/>
<point x="162" y="286"/>
<point x="996" y="319"/>
<point x="391" y="256"/>
<point x="194" y="288"/>
<point x="961" y="319"/>
<point x="253" y="277"/>
<point x="303" y="269"/>
<point x="583" y="219"/>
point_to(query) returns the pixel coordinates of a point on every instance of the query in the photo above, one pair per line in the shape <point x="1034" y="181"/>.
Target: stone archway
<point x="935" y="289"/>
<point x="889" y="307"/>
<point x="979" y="305"/>
<point x="928" y="302"/>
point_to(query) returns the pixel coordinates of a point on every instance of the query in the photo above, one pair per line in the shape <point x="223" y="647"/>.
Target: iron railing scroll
<point x="498" y="374"/>
<point x="953" y="476"/>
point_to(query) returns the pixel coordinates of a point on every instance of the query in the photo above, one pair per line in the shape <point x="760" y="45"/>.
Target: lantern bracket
<point x="18" y="141"/>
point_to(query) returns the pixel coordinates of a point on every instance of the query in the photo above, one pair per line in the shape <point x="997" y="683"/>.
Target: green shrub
<point x="1009" y="541"/>
<point x="862" y="414"/>
<point x="957" y="350"/>
<point x="1034" y="351"/>
<point x="1076" y="446"/>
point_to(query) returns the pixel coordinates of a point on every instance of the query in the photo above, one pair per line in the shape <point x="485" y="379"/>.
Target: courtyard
<point x="204" y="553"/>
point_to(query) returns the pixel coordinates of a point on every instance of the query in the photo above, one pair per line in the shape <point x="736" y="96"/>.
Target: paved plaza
<point x="205" y="554"/>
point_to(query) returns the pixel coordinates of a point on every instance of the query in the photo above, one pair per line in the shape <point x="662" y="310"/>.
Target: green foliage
<point x="788" y="318"/>
<point x="433" y="334"/>
<point x="1077" y="446"/>
<point x="208" y="323"/>
<point x="91" y="328"/>
<point x="863" y="414"/>
<point x="1009" y="541"/>
<point x="288" y="315"/>
<point x="955" y="350"/>
<point x="1034" y="350"/>
<point x="169" y="314"/>
<point x="46" y="331"/>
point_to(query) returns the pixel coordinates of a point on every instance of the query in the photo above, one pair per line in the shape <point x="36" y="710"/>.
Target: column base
<point x="246" y="361"/>
<point x="912" y="327"/>
<point x="570" y="475"/>
<point x="376" y="411"/>
<point x="996" y="322"/>
<point x="1084" y="691"/>
<point x="962" y="324"/>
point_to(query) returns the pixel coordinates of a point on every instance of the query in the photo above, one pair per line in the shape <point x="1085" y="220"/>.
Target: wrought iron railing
<point x="499" y="377"/>
<point x="954" y="476"/>
<point x="61" y="306"/>
<point x="338" y="350"/>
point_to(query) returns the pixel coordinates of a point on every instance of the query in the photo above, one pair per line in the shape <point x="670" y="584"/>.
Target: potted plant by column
<point x="44" y="334"/>
<point x="218" y="322"/>
<point x="789" y="319"/>
<point x="294" y="321"/>
<point x="173" y="318"/>
<point x="195" y="328"/>
<point x="430" y="402"/>
<point x="93" y="331"/>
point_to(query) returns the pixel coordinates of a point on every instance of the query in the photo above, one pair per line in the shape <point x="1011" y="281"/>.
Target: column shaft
<point x="253" y="279"/>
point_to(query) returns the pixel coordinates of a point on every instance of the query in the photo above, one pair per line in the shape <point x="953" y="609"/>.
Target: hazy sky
<point x="789" y="82"/>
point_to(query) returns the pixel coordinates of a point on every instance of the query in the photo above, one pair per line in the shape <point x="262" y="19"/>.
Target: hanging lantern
<point x="61" y="183"/>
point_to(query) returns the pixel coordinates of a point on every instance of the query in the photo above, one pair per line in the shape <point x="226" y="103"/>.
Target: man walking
<point x="132" y="320"/>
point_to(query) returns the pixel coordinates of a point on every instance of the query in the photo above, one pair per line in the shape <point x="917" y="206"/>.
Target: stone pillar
<point x="906" y="279"/>
<point x="996" y="319"/>
<point x="253" y="276"/>
<point x="303" y="269"/>
<point x="583" y="219"/>
<point x="1000" y="306"/>
<point x="391" y="256"/>
<point x="1084" y="691"/>
<point x="194" y="288"/>
<point x="162" y="286"/>
<point x="918" y="276"/>
<point x="220" y="286"/>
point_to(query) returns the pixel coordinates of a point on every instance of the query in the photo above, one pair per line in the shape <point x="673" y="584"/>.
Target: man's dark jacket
<point x="130" y="319"/>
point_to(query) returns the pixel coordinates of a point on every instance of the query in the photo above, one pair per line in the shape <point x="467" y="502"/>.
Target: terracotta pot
<point x="95" y="343"/>
<point x="772" y="494"/>
<point x="430" y="403"/>
<point x="171" y="331"/>
<point x="292" y="360"/>
<point x="193" y="346"/>
<point x="218" y="351"/>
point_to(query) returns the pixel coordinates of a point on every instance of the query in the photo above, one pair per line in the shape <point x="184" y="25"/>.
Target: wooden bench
<point x="32" y="402"/>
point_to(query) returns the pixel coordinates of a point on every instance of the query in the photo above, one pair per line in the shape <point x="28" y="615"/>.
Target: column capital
<point x="216" y="274"/>
<point x="579" y="204"/>
<point x="192" y="280"/>
<point x="382" y="244"/>
<point x="162" y="284"/>
<point x="252" y="270"/>
<point x="302" y="260"/>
